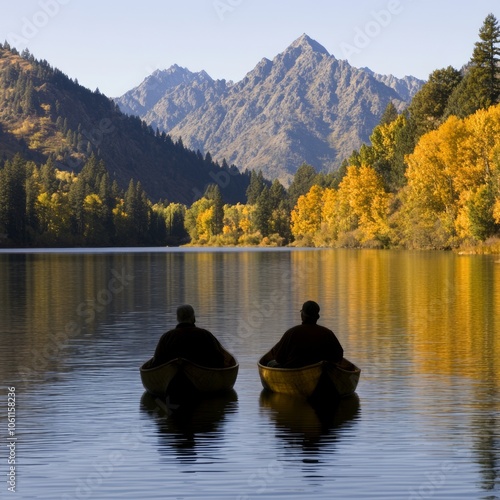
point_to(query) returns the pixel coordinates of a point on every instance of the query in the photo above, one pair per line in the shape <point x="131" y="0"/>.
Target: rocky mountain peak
<point x="304" y="105"/>
<point x="307" y="44"/>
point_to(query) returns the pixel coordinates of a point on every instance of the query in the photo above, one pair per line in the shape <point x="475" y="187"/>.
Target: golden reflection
<point x="436" y="310"/>
<point x="53" y="298"/>
<point x="439" y="309"/>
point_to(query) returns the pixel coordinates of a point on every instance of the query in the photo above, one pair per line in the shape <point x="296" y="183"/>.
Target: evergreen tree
<point x="108" y="203"/>
<point x="29" y="100"/>
<point x="390" y="114"/>
<point x="304" y="179"/>
<point x="255" y="187"/>
<point x="428" y="106"/>
<point x="213" y="193"/>
<point x="138" y="213"/>
<point x="13" y="199"/>
<point x="486" y="59"/>
<point x="467" y="97"/>
<point x="92" y="173"/>
<point x="48" y="179"/>
<point x="277" y="194"/>
<point x="480" y="86"/>
<point x="32" y="192"/>
<point x="263" y="212"/>
<point x="77" y="194"/>
<point x="279" y="222"/>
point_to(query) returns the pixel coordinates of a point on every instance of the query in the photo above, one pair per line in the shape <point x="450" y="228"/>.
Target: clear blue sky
<point x="114" y="45"/>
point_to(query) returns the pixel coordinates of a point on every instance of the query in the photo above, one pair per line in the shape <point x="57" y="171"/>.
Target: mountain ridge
<point x="304" y="105"/>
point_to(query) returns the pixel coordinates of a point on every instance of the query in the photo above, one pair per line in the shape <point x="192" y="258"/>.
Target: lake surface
<point x="424" y="328"/>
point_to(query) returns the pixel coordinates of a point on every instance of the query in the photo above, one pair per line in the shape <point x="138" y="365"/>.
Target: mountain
<point x="44" y="114"/>
<point x="166" y="97"/>
<point x="406" y="87"/>
<point x="303" y="106"/>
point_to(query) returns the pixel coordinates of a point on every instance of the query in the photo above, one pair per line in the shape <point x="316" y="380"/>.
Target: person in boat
<point x="188" y="341"/>
<point x="307" y="343"/>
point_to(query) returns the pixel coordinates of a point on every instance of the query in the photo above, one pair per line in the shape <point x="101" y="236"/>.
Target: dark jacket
<point x="188" y="341"/>
<point x="307" y="344"/>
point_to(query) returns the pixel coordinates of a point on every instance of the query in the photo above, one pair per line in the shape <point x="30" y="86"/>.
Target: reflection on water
<point x="299" y="421"/>
<point x="423" y="327"/>
<point x="188" y="427"/>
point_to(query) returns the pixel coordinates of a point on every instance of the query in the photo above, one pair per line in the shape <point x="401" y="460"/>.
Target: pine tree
<point x="390" y="114"/>
<point x="13" y="199"/>
<point x="277" y="194"/>
<point x="213" y="193"/>
<point x="480" y="87"/>
<point x="255" y="187"/>
<point x="48" y="177"/>
<point x="263" y="212"/>
<point x="303" y="180"/>
<point x="486" y="58"/>
<point x="428" y="106"/>
<point x="77" y="193"/>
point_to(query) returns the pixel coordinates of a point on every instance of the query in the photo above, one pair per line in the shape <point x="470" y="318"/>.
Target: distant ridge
<point x="303" y="106"/>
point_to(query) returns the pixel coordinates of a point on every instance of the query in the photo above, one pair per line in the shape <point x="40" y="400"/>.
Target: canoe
<point x="332" y="379"/>
<point x="204" y="380"/>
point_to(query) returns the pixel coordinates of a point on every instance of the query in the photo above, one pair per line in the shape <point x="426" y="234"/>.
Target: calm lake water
<point x="423" y="327"/>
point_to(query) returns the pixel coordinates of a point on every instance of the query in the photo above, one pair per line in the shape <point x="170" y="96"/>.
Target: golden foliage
<point x="450" y="171"/>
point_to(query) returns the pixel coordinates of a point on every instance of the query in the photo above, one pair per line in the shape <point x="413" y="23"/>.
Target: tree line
<point x="430" y="178"/>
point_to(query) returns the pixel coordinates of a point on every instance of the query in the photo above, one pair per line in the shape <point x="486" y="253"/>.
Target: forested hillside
<point x="45" y="115"/>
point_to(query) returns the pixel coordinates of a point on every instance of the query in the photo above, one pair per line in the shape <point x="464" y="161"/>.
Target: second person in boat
<point x="307" y="343"/>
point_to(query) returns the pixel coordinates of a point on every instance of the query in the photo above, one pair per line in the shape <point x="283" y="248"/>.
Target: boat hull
<point x="204" y="380"/>
<point x="335" y="379"/>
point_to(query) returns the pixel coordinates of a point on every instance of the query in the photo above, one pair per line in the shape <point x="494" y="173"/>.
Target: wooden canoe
<point x="335" y="379"/>
<point x="203" y="379"/>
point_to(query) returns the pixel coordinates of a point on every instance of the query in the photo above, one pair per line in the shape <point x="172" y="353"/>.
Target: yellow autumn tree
<point x="205" y="224"/>
<point x="451" y="181"/>
<point x="53" y="214"/>
<point x="431" y="198"/>
<point x="329" y="216"/>
<point x="192" y="222"/>
<point x="306" y="217"/>
<point x="94" y="230"/>
<point x="363" y="204"/>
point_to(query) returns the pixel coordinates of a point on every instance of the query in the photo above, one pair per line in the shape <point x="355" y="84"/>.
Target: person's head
<point x="309" y="312"/>
<point x="185" y="314"/>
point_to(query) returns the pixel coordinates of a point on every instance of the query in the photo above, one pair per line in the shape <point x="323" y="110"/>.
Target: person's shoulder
<point x="203" y="331"/>
<point x="324" y="329"/>
<point x="166" y="335"/>
<point x="294" y="329"/>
